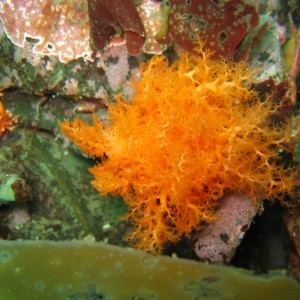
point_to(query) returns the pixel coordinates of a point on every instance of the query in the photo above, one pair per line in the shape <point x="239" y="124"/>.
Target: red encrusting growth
<point x="222" y="24"/>
<point x="192" y="130"/>
<point x="116" y="18"/>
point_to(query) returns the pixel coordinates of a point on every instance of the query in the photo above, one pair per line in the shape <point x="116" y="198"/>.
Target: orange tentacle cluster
<point x="7" y="120"/>
<point x="192" y="130"/>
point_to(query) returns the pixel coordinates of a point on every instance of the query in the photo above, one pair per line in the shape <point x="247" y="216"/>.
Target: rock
<point x="218" y="241"/>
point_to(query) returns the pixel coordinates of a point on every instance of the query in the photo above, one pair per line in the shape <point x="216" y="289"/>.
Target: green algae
<point x="63" y="205"/>
<point x="6" y="191"/>
<point x="81" y="270"/>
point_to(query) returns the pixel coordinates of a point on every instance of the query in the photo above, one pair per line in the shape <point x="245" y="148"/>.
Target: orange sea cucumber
<point x="191" y="131"/>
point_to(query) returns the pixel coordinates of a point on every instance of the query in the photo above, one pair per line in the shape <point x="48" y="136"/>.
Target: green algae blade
<point x="81" y="270"/>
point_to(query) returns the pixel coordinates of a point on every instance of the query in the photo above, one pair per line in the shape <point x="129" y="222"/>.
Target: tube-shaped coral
<point x="192" y="130"/>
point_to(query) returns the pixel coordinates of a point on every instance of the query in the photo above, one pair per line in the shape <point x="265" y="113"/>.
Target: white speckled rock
<point x="218" y="241"/>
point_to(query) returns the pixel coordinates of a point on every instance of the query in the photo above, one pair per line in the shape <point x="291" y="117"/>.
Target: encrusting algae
<point x="191" y="131"/>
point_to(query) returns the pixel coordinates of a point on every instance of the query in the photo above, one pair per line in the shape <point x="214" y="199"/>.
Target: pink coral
<point x="58" y="27"/>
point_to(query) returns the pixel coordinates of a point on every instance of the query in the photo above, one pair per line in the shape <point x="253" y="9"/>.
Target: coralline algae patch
<point x="80" y="270"/>
<point x="49" y="24"/>
<point x="43" y="74"/>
